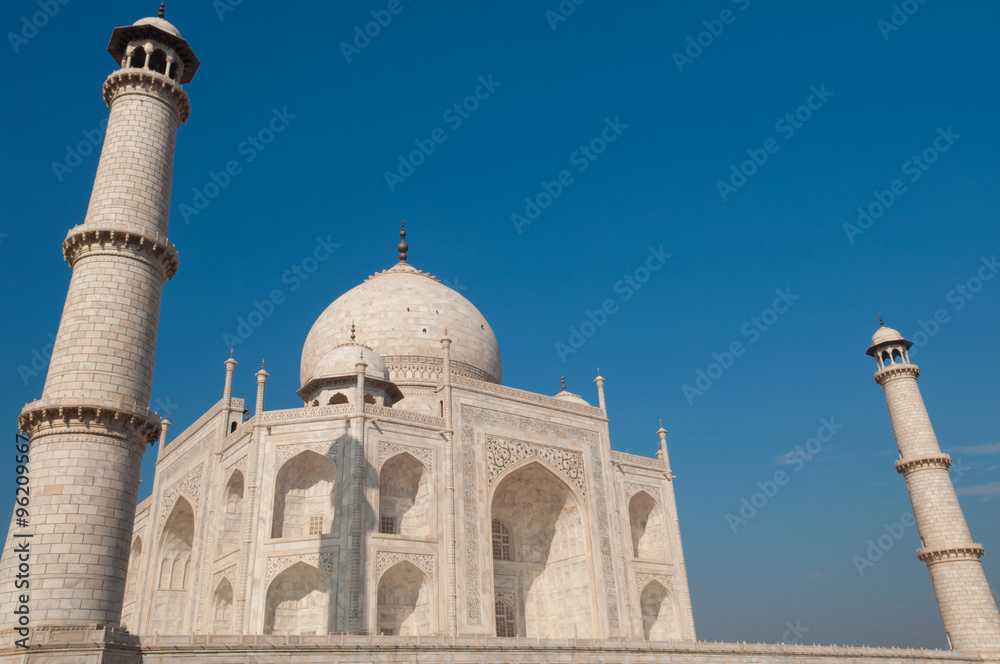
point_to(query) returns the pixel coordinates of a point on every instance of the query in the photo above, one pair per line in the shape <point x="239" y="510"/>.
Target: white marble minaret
<point x="970" y="616"/>
<point x="91" y="426"/>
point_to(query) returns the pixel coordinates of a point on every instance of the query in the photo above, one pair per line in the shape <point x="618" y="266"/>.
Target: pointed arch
<point x="649" y="528"/>
<point x="298" y="602"/>
<point x="404" y="601"/>
<point x="304" y="496"/>
<point x="550" y="575"/>
<point x="222" y="608"/>
<point x="659" y="618"/>
<point x="232" y="513"/>
<point x="404" y="489"/>
<point x="131" y="581"/>
<point x="173" y="590"/>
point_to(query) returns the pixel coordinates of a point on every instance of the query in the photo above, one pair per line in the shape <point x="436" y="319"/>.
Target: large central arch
<point x="546" y="572"/>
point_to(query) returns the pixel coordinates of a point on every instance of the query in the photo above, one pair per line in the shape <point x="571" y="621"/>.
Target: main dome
<point x="402" y="314"/>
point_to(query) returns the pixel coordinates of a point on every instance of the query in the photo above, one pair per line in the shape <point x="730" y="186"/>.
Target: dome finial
<point x="880" y="323"/>
<point x="163" y="10"/>
<point x="352" y="331"/>
<point x="563" y="377"/>
<point x="403" y="248"/>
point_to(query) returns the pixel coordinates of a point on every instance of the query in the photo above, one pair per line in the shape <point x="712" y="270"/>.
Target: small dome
<point x="341" y="361"/>
<point x="160" y="23"/>
<point x="884" y="335"/>
<point x="571" y="398"/>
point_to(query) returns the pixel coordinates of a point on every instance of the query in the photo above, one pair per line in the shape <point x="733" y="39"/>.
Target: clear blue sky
<point x="879" y="98"/>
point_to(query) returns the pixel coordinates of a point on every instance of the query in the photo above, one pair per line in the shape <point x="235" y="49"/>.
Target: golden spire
<point x="880" y="323"/>
<point x="352" y="331"/>
<point x="163" y="10"/>
<point x="563" y="382"/>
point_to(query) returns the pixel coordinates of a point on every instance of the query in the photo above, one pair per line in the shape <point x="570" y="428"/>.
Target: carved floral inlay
<point x="189" y="484"/>
<point x="631" y="489"/>
<point x="277" y="564"/>
<point x="643" y="579"/>
<point x="387" y="450"/>
<point x="501" y="454"/>
<point x="327" y="449"/>
<point x="386" y="559"/>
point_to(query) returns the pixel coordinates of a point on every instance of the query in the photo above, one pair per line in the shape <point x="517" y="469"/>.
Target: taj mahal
<point x="414" y="508"/>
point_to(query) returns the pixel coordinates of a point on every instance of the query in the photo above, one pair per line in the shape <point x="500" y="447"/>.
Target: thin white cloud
<point x="990" y="490"/>
<point x="989" y="448"/>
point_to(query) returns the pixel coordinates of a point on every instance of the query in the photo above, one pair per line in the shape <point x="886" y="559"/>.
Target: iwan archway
<point x="541" y="570"/>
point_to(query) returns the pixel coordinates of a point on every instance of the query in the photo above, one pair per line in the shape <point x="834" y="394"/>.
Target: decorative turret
<point x="970" y="616"/>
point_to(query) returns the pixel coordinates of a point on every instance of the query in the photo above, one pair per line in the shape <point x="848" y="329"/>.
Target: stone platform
<point x="116" y="647"/>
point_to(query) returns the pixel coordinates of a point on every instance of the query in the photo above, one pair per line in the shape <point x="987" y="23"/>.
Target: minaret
<point x="970" y="616"/>
<point x="90" y="428"/>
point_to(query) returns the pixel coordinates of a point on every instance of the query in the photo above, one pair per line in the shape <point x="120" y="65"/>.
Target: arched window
<point x="158" y="61"/>
<point x="501" y="541"/>
<point x="338" y="398"/>
<point x="649" y="532"/>
<point x="505" y="619"/>
<point x="298" y="602"/>
<point x="404" y="497"/>
<point x="404" y="601"/>
<point x="171" y="599"/>
<point x="304" y="488"/>
<point x="232" y="514"/>
<point x="370" y="399"/>
<point x="138" y="58"/>
<point x="232" y="427"/>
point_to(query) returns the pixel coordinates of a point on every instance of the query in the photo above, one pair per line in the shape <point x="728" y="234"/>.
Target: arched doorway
<point x="173" y="572"/>
<point x="649" y="528"/>
<point x="547" y="571"/>
<point x="304" y="497"/>
<point x="659" y="621"/>
<point x="404" y="601"/>
<point x="298" y="602"/>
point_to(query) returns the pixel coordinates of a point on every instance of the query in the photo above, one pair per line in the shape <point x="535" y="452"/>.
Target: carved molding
<point x="277" y="564"/>
<point x="55" y="416"/>
<point x="626" y="459"/>
<point x="935" y="461"/>
<point x="84" y="240"/>
<point x="387" y="449"/>
<point x="387" y="559"/>
<point x="523" y="395"/>
<point x="502" y="453"/>
<point x="149" y="83"/>
<point x="972" y="552"/>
